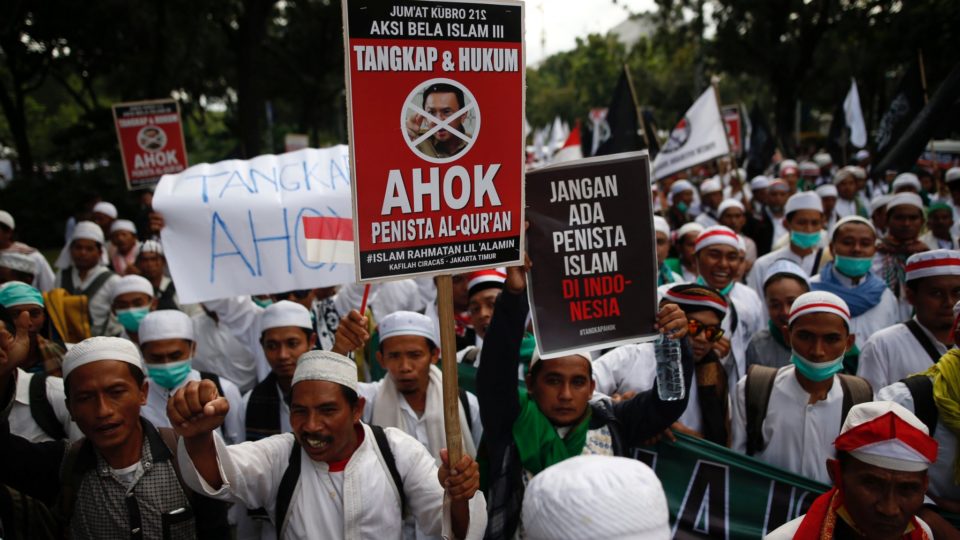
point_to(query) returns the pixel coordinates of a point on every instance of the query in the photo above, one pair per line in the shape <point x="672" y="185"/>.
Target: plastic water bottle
<point x="669" y="369"/>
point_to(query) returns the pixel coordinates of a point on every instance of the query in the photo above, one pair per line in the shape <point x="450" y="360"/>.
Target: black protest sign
<point x="591" y="242"/>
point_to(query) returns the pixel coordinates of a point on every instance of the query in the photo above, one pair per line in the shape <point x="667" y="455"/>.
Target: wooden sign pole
<point x="448" y="364"/>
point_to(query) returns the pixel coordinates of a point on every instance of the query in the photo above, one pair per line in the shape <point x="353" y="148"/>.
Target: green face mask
<point x="817" y="371"/>
<point x="682" y="206"/>
<point x="804" y="240"/>
<point x="853" y="266"/>
<point x="130" y="318"/>
<point x="262" y="302"/>
<point x="169" y="375"/>
<point x="725" y="291"/>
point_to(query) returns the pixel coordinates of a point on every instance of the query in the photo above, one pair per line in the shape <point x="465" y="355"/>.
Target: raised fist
<point x="197" y="409"/>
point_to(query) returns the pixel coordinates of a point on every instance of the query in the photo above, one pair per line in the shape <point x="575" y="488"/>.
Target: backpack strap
<point x="924" y="406"/>
<point x="470" y="357"/>
<point x="96" y="284"/>
<point x="924" y="340"/>
<point x="387" y="454"/>
<point x="856" y="390"/>
<point x="66" y="281"/>
<point x="41" y="410"/>
<point x="465" y="404"/>
<point x="71" y="476"/>
<point x="287" y="484"/>
<point x="206" y="375"/>
<point x="759" y="386"/>
<point x="816" y="262"/>
<point x="209" y="515"/>
<point x="734" y="317"/>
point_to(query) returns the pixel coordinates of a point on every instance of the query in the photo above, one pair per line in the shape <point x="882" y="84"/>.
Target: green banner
<point x="714" y="492"/>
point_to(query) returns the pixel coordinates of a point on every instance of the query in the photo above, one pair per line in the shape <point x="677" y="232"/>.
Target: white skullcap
<point x="18" y="261"/>
<point x="907" y="179"/>
<point x="953" y="174"/>
<point x="759" y="182"/>
<point x="787" y="166"/>
<point x="285" y="313"/>
<point x="822" y="159"/>
<point x="827" y="190"/>
<point x="842" y="174"/>
<point x="326" y="366"/>
<point x="661" y="225"/>
<point x="728" y="204"/>
<point x="596" y="497"/>
<point x="937" y="262"/>
<point x="7" y="219"/>
<point x="100" y="348"/>
<point x="105" y="208"/>
<point x="712" y="185"/>
<point x="819" y="302"/>
<point x="407" y="323"/>
<point x="858" y="171"/>
<point x="887" y="435"/>
<point x="852" y="219"/>
<point x="151" y="246"/>
<point x="717" y="235"/>
<point x="123" y="225"/>
<point x="131" y="284"/>
<point x="879" y="202"/>
<point x="906" y="199"/>
<point x="538" y="356"/>
<point x="689" y="228"/>
<point x="779" y="184"/>
<point x="87" y="230"/>
<point x="803" y="200"/>
<point x="862" y="155"/>
<point x="785" y="266"/>
<point x="680" y="186"/>
<point x="809" y="168"/>
<point x="166" y="324"/>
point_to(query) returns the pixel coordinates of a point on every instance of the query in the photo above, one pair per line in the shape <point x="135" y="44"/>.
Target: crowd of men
<point x="816" y="307"/>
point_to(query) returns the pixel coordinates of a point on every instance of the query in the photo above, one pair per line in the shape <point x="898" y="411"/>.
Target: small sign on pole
<point x="593" y="283"/>
<point x="151" y="140"/>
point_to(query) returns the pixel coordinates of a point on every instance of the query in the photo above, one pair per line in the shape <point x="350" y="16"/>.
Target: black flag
<point x="904" y="107"/>
<point x="650" y="132"/>
<point x="838" y="136"/>
<point x="909" y="146"/>
<point x="762" y="144"/>
<point x="622" y="118"/>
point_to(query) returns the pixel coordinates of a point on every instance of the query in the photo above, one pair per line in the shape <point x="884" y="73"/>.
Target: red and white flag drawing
<point x="329" y="239"/>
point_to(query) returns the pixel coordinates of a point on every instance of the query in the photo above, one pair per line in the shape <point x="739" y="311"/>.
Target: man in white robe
<point x="932" y="285"/>
<point x="86" y="273"/>
<point x="804" y="221"/>
<point x="344" y="489"/>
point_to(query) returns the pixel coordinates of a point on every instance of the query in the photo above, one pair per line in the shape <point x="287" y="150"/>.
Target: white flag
<point x="700" y="136"/>
<point x="851" y="109"/>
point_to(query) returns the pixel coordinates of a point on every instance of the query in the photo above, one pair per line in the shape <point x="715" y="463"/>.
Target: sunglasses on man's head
<point x="712" y="332"/>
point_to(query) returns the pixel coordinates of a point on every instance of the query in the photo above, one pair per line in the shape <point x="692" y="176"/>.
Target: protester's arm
<point x="497" y="374"/>
<point x="195" y="412"/>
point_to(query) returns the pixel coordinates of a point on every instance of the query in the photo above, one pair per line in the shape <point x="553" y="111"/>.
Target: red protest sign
<point x="436" y="97"/>
<point x="731" y="117"/>
<point x="151" y="140"/>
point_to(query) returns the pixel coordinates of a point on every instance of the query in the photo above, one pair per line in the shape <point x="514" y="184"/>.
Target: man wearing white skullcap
<point x="769" y="225"/>
<point x="848" y="204"/>
<point x="131" y="299"/>
<point x="86" y="275"/>
<point x="906" y="183"/>
<point x="151" y="263"/>
<point x="711" y="194"/>
<point x="42" y="275"/>
<point x="661" y="229"/>
<point x="340" y="487"/>
<point x="804" y="222"/>
<point x="789" y="172"/>
<point x="828" y="196"/>
<point x="853" y="243"/>
<point x="805" y="404"/>
<point x="123" y="245"/>
<point x="596" y="497"/>
<point x="124" y="478"/>
<point x="104" y="214"/>
<point x="16" y="267"/>
<point x="758" y="187"/>
<point x="685" y="242"/>
<point x="878" y="213"/>
<point x="879" y="479"/>
<point x="682" y="195"/>
<point x="718" y="258"/>
<point x="904" y="222"/>
<point x="168" y="345"/>
<point x="784" y="282"/>
<point x="554" y="419"/>
<point x="733" y="214"/>
<point x="932" y="288"/>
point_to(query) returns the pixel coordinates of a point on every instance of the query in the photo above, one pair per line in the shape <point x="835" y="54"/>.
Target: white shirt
<point x="883" y="315"/>
<point x="359" y="503"/>
<point x="941" y="472"/>
<point x="758" y="273"/>
<point x="893" y="353"/>
<point x="845" y="208"/>
<point x="750" y="320"/>
<point x="22" y="423"/>
<point x="220" y="352"/>
<point x="706" y="219"/>
<point x="155" y="411"/>
<point x="798" y="436"/>
<point x="633" y="368"/>
<point x="102" y="320"/>
<point x="789" y="529"/>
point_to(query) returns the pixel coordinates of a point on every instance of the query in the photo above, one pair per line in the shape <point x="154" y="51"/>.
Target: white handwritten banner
<point x="237" y="227"/>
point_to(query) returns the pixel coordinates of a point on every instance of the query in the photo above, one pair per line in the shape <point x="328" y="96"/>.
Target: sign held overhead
<point x="151" y="140"/>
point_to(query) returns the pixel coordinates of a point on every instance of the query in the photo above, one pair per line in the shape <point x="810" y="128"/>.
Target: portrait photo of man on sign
<point x="441" y="120"/>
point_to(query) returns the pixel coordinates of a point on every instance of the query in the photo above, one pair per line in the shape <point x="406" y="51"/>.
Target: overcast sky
<point x="566" y="20"/>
